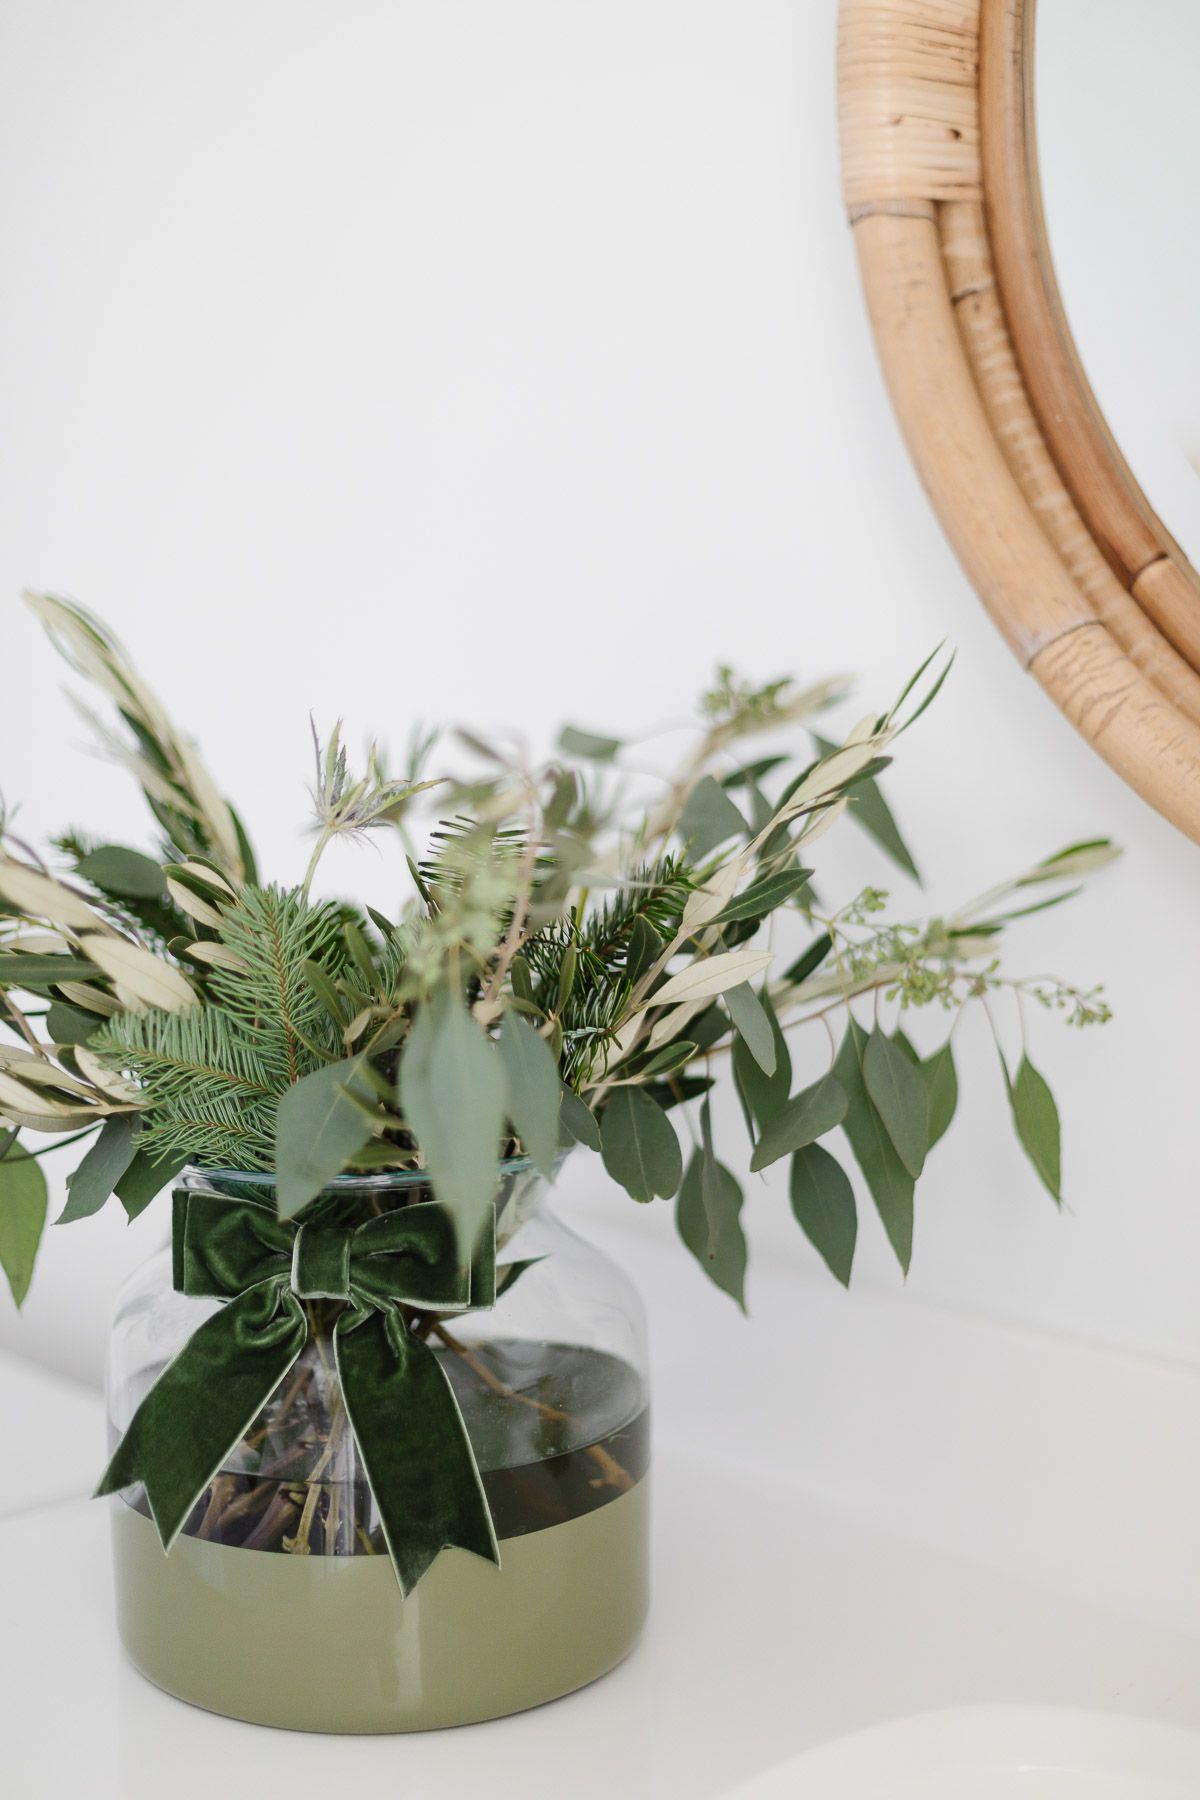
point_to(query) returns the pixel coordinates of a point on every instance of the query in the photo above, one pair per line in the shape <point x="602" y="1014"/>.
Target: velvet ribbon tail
<point x="413" y="1443"/>
<point x="205" y="1401"/>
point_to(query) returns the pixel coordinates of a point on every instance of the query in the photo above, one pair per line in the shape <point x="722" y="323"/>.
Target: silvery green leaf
<point x="22" y="1217"/>
<point x="762" y="1095"/>
<point x="1036" y="1117"/>
<point x="98" y="1174"/>
<point x="578" y="1121"/>
<point x="116" y="870"/>
<point x="639" y="1145"/>
<point x="588" y="744"/>
<point x="533" y="1090"/>
<point x="753" y="1023"/>
<point x="900" y="1098"/>
<point x="764" y="896"/>
<point x="823" y="1203"/>
<point x="709" y="818"/>
<point x="318" y="1129"/>
<point x="66" y="1025"/>
<point x="890" y="1183"/>
<point x="806" y="1117"/>
<point x="144" y="1179"/>
<point x="873" y="813"/>
<point x="710" y="975"/>
<point x="941" y="1082"/>
<point x="452" y="1096"/>
<point x="141" y="978"/>
<point x="713" y="1232"/>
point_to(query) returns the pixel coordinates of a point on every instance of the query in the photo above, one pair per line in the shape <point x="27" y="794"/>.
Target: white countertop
<point x="779" y="1623"/>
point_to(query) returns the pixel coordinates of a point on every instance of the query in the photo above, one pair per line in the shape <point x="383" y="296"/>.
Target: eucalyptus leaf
<point x="720" y="1251"/>
<point x="754" y="1024"/>
<point x="900" y="1098"/>
<point x="803" y="1119"/>
<point x="639" y="1145"/>
<point x="941" y="1084"/>
<point x="115" y="870"/>
<point x="1036" y="1117"/>
<point x="709" y="818"/>
<point x="23" y="1206"/>
<point x="577" y="1121"/>
<point x="823" y="1203"/>
<point x="762" y="1095"/>
<point x="318" y="1129"/>
<point x="91" y="1184"/>
<point x="891" y="1186"/>
<point x="452" y="1095"/>
<point x="69" y="1025"/>
<point x="144" y="1179"/>
<point x="588" y="744"/>
<point x="531" y="1074"/>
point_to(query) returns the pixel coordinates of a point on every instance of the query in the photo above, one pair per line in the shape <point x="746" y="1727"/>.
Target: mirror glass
<point x="1118" y="122"/>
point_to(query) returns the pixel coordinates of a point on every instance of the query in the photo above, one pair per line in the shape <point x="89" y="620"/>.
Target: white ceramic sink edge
<point x="994" y="1753"/>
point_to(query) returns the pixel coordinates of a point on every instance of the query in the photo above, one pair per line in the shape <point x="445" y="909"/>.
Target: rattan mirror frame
<point x="940" y="176"/>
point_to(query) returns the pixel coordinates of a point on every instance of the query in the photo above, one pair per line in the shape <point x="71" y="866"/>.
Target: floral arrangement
<point x="584" y="949"/>
<point x="574" y="965"/>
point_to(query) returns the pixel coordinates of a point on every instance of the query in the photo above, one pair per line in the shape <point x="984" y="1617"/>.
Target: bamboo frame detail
<point x="940" y="180"/>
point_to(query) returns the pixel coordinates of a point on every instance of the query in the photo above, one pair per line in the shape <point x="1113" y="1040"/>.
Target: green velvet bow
<point x="399" y="1403"/>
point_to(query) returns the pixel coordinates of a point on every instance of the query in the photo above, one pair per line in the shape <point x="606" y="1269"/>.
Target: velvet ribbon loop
<point x="399" y="1403"/>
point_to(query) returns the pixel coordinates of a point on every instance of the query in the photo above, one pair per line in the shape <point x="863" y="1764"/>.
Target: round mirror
<point x="1118" y="132"/>
<point x="1036" y="334"/>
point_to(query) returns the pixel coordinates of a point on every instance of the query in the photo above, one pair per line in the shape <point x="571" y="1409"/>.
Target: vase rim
<point x="386" y="1178"/>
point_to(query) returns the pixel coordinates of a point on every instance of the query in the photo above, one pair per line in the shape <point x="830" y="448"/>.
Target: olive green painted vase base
<point x="325" y="1643"/>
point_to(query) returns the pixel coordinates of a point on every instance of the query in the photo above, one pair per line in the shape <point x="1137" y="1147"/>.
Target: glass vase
<point x="278" y="1603"/>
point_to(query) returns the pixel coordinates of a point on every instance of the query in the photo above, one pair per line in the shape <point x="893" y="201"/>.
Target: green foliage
<point x="322" y="1123"/>
<point x="585" y="949"/>
<point x="707" y="1217"/>
<point x="101" y="1169"/>
<point x="639" y="1146"/>
<point x="823" y="1204"/>
<point x="274" y="933"/>
<point x="1036" y="1118"/>
<point x="23" y="1206"/>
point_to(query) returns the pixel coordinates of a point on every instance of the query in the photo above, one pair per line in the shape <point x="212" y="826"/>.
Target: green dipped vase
<point x="278" y="1603"/>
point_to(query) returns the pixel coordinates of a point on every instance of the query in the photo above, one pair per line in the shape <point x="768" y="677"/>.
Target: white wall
<point x="508" y="362"/>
